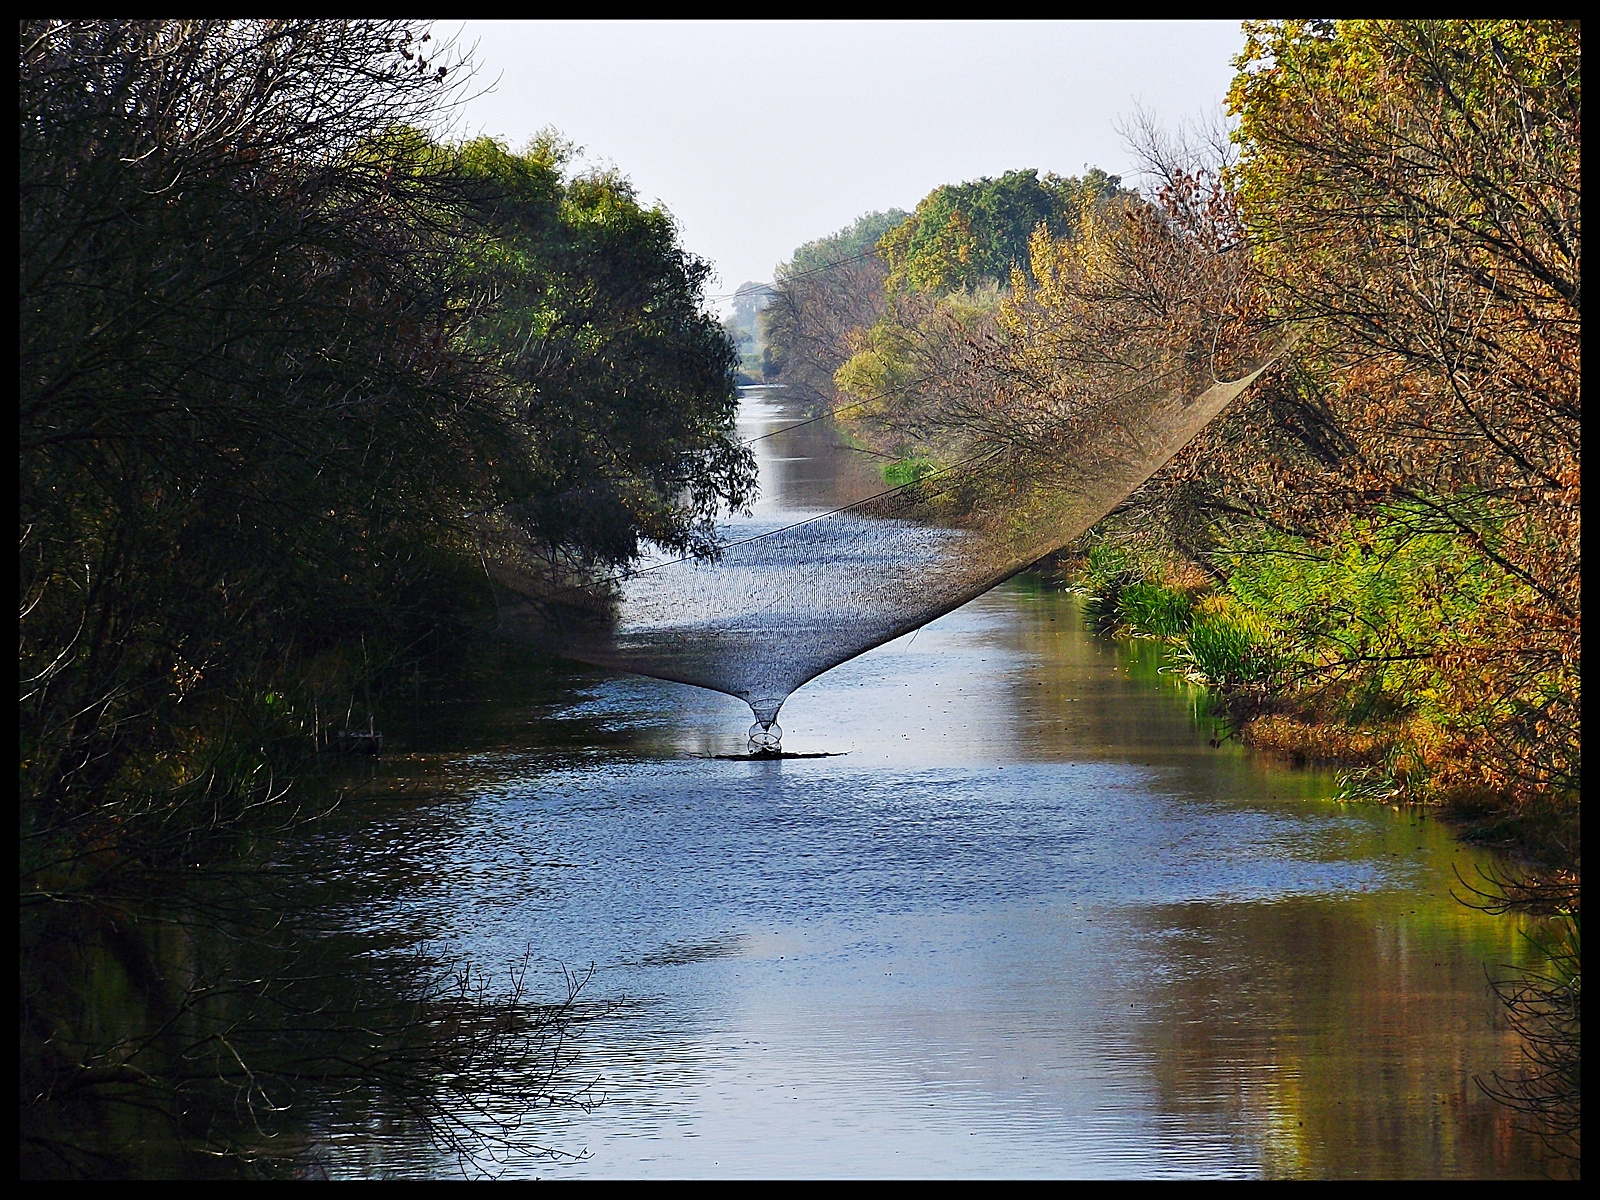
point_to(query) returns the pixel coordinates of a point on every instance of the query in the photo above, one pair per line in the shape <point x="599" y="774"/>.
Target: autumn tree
<point x="949" y="265"/>
<point x="1411" y="192"/>
<point x="829" y="288"/>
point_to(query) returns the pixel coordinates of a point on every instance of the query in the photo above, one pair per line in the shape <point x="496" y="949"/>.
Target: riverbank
<point x="1388" y="753"/>
<point x="1384" y="755"/>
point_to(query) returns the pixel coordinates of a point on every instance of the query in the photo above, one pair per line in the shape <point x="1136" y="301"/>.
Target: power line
<point x="989" y="456"/>
<point x="830" y="414"/>
<point x="843" y="262"/>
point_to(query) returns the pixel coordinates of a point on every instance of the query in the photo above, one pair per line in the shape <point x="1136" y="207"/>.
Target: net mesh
<point x="793" y="596"/>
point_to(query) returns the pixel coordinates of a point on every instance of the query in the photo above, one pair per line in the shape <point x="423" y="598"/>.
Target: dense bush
<point x="277" y="348"/>
<point x="1396" y="503"/>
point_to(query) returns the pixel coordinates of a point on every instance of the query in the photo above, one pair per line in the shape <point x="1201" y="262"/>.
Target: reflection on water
<point x="805" y="468"/>
<point x="1031" y="923"/>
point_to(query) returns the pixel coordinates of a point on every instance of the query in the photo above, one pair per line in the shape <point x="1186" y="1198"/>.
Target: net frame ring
<point x="766" y="739"/>
<point x="766" y="734"/>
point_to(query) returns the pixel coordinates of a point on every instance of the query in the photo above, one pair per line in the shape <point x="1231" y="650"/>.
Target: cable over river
<point x="1027" y="920"/>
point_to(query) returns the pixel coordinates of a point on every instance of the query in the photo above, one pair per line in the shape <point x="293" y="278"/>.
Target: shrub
<point x="1150" y="610"/>
<point x="907" y="471"/>
<point x="1228" y="649"/>
<point x="1108" y="570"/>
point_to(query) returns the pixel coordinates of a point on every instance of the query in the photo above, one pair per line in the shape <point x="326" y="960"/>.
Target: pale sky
<point x="759" y="136"/>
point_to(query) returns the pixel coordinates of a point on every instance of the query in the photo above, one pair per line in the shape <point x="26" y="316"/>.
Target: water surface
<point x="1029" y="921"/>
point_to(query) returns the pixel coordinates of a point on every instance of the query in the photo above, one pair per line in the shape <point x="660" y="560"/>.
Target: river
<point x="1028" y="920"/>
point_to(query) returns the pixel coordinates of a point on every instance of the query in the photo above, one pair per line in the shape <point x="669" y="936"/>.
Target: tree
<point x="829" y="287"/>
<point x="279" y="353"/>
<point x="1411" y="189"/>
<point x="246" y="434"/>
<point x="621" y="384"/>
<point x="949" y="265"/>
<point x="964" y="235"/>
<point x="245" y="440"/>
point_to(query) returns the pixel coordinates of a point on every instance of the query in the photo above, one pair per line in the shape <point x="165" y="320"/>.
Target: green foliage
<point x="907" y="471"/>
<point x="949" y="267"/>
<point x="1412" y="192"/>
<point x="271" y="364"/>
<point x="1228" y="649"/>
<point x="912" y="342"/>
<point x="246" y="435"/>
<point x="1106" y="572"/>
<point x="1154" y="611"/>
<point x="1123" y="593"/>
<point x="278" y="350"/>
<point x="1218" y="642"/>
<point x="1109" y="568"/>
<point x="1361" y="621"/>
<point x="1371" y="613"/>
<point x="858" y="238"/>
<point x="965" y="235"/>
<point x="621" y="385"/>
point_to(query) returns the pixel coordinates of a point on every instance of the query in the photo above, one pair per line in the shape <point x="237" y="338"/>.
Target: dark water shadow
<point x="770" y="755"/>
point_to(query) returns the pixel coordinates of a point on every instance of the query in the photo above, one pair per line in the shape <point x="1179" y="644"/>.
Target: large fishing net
<point x="1012" y="481"/>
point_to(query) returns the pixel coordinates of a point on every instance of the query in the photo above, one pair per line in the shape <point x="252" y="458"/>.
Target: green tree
<point x="620" y="383"/>
<point x="949" y="267"/>
<point x="859" y="237"/>
<point x="962" y="236"/>
<point x="279" y="353"/>
<point x="247" y="435"/>
<point x="246" y="438"/>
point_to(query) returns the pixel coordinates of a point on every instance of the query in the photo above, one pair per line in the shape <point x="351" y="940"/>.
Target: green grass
<point x="908" y="471"/>
<point x="1150" y="610"/>
<point x="1228" y="650"/>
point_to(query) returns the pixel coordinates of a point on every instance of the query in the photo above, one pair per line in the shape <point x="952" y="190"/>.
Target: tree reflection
<point x="1354" y="1055"/>
<point x="249" y="1020"/>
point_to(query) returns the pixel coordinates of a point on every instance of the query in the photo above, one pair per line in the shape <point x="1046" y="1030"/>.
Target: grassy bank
<point x="1345" y="655"/>
<point x="1342" y="655"/>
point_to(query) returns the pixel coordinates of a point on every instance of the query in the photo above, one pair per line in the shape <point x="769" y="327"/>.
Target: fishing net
<point x="793" y="597"/>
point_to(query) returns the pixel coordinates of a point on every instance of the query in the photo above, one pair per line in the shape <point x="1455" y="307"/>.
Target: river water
<point x="1027" y="921"/>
